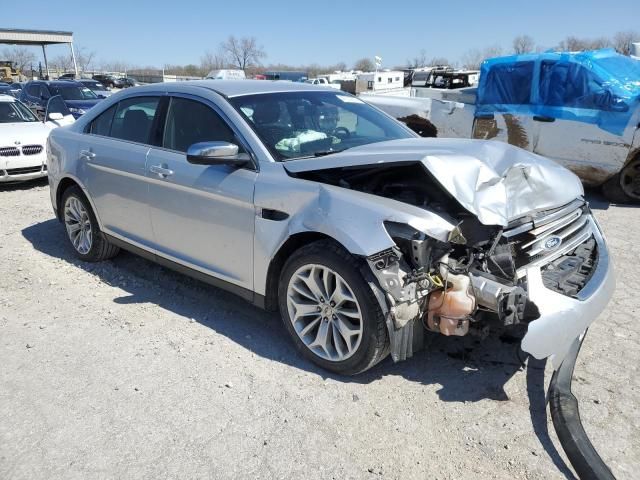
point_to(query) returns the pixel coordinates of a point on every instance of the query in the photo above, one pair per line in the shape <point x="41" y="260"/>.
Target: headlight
<point x="76" y="110"/>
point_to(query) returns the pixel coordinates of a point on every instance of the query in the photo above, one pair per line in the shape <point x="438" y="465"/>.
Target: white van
<point x="226" y="75"/>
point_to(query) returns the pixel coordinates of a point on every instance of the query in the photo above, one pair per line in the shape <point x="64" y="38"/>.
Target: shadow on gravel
<point x="467" y="369"/>
<point x="597" y="201"/>
<point x="27" y="185"/>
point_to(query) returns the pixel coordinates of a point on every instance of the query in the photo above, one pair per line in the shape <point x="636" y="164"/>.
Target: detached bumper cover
<point x="564" y="318"/>
<point x="566" y="421"/>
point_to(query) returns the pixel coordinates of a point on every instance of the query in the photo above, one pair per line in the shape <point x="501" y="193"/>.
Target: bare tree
<point x="438" y="61"/>
<point x="340" y="67"/>
<point x="523" y="44"/>
<point x="365" y="64"/>
<point x="574" y="44"/>
<point x="472" y="59"/>
<point x="21" y="57"/>
<point x="622" y="41"/>
<point x="418" y="61"/>
<point x="212" y="61"/>
<point x="84" y="58"/>
<point x="62" y="63"/>
<point x="243" y="52"/>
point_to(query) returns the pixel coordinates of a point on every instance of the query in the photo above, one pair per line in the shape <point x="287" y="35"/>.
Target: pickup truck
<point x="580" y="109"/>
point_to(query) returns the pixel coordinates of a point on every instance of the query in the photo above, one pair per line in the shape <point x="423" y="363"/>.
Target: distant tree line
<point x="247" y="54"/>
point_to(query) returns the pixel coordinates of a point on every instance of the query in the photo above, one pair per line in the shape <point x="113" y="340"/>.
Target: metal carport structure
<point x="14" y="36"/>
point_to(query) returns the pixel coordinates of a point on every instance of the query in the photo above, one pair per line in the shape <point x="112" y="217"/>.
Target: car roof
<point x="236" y="88"/>
<point x="57" y="83"/>
<point x="7" y="98"/>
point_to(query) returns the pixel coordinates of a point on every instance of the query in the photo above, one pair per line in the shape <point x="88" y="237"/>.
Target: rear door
<point x="202" y="216"/>
<point x="113" y="157"/>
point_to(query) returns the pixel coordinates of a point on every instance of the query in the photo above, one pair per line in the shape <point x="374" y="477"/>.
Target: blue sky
<point x="324" y="32"/>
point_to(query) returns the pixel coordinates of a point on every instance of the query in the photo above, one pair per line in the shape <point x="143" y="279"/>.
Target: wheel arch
<point x="63" y="185"/>
<point x="290" y="245"/>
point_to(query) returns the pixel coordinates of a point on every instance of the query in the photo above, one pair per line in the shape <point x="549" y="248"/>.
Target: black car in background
<point x="76" y="96"/>
<point x="109" y="81"/>
<point x="127" y="82"/>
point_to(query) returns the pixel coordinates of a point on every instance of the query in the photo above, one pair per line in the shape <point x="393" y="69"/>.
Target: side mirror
<point x="618" y="105"/>
<point x="55" y="116"/>
<point x="216" y="153"/>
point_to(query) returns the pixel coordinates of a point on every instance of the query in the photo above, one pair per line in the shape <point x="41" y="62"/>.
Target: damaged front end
<point x="549" y="271"/>
<point x="521" y="247"/>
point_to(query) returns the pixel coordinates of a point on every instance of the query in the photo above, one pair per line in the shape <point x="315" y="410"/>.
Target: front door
<point x="202" y="216"/>
<point x="579" y="130"/>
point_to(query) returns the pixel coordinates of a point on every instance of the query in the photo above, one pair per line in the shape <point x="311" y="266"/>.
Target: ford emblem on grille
<point x="552" y="242"/>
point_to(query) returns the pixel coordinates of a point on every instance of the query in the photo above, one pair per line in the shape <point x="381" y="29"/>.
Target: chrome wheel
<point x="324" y="312"/>
<point x="78" y="224"/>
<point x="630" y="179"/>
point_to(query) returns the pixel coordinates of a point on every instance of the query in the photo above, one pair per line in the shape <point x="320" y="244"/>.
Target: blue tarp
<point x="600" y="87"/>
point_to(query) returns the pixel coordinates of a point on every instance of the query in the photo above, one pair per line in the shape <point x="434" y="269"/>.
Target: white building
<point x="383" y="81"/>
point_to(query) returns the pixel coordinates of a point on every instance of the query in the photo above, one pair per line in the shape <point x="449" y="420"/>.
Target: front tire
<point x="330" y="311"/>
<point x="83" y="233"/>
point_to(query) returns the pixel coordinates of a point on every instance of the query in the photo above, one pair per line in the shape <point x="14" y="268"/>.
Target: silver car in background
<point x="311" y="202"/>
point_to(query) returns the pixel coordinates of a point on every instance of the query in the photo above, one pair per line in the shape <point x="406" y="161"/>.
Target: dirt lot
<point x="127" y="370"/>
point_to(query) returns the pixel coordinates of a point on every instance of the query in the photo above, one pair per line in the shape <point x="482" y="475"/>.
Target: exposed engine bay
<point x="476" y="280"/>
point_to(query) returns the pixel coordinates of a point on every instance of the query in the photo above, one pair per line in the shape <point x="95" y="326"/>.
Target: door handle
<point x="161" y="171"/>
<point x="539" y="118"/>
<point x="87" y="155"/>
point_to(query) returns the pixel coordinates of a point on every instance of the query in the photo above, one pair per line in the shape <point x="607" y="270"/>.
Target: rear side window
<point x="102" y="124"/>
<point x="133" y="119"/>
<point x="34" y="90"/>
<point x="508" y="84"/>
<point x="189" y="122"/>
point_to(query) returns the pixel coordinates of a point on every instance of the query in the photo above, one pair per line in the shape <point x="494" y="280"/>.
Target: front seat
<point x="136" y="126"/>
<point x="265" y="117"/>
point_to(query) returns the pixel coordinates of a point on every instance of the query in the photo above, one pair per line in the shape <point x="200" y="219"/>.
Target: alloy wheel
<point x="78" y="224"/>
<point x="324" y="312"/>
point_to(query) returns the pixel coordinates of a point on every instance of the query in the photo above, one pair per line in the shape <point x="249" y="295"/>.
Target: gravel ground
<point x="127" y="370"/>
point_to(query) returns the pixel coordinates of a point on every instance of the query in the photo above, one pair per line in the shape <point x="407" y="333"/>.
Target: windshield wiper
<point x="327" y="152"/>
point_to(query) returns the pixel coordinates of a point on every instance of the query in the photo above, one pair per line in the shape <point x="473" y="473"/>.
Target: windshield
<point x="73" y="93"/>
<point x="15" y="112"/>
<point x="306" y="124"/>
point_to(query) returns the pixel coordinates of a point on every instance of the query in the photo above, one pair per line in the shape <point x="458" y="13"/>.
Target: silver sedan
<point x="311" y="202"/>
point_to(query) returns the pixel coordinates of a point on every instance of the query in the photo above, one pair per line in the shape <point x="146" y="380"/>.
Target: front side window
<point x="306" y="124"/>
<point x="189" y="122"/>
<point x="133" y="119"/>
<point x="15" y="112"/>
<point x="569" y="85"/>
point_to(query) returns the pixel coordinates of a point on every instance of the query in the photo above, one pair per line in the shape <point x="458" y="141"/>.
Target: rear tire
<point x="83" y="233"/>
<point x="337" y="323"/>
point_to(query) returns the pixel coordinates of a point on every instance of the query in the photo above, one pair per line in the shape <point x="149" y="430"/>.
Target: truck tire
<point x="624" y="187"/>
<point x="330" y="310"/>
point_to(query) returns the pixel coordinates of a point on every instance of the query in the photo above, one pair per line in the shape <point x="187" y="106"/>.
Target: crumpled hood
<point x="495" y="181"/>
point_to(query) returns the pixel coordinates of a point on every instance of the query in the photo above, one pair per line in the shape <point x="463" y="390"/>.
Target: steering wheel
<point x="341" y="132"/>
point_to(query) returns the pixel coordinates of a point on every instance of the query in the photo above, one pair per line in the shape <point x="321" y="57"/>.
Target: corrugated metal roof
<point x="17" y="36"/>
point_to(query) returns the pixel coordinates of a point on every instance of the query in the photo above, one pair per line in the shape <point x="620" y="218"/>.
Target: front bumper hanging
<point x="566" y="421"/>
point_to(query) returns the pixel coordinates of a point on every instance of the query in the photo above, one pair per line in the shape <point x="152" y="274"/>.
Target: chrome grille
<point x="9" y="152"/>
<point x="550" y="235"/>
<point x="31" y="149"/>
